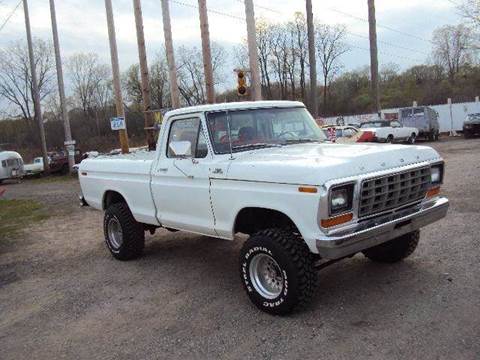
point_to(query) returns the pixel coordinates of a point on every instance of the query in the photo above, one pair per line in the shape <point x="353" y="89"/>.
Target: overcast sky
<point x="83" y="27"/>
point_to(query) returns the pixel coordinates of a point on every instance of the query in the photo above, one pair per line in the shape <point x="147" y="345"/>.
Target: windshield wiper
<point x="301" y="141"/>
<point x="254" y="146"/>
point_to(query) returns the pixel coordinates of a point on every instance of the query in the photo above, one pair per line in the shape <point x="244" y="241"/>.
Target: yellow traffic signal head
<point x="242" y="83"/>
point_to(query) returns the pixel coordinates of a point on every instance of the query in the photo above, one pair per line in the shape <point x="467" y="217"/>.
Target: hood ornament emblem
<point x="402" y="160"/>
<point x="382" y="164"/>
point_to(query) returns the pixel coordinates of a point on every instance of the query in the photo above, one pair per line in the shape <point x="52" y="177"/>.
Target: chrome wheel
<point x="115" y="233"/>
<point x="266" y="275"/>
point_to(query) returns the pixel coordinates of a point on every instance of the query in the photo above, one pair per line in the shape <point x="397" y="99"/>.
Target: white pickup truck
<point x="265" y="169"/>
<point x="390" y="131"/>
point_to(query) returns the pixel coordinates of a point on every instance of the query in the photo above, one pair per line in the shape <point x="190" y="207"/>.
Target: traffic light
<point x="242" y="83"/>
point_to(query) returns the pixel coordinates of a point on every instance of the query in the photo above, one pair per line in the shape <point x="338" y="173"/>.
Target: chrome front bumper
<point x="381" y="229"/>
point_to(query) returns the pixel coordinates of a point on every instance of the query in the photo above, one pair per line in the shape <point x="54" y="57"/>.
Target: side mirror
<point x="181" y="148"/>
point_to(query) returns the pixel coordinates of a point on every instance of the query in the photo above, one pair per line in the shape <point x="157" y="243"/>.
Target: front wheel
<point x="390" y="139"/>
<point x="394" y="250"/>
<point x="124" y="236"/>
<point x="412" y="139"/>
<point x="277" y="271"/>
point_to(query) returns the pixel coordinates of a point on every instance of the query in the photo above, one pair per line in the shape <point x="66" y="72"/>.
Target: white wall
<point x="459" y="113"/>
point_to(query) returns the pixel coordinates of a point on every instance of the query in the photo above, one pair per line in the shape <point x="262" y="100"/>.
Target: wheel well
<point x="112" y="197"/>
<point x="251" y="220"/>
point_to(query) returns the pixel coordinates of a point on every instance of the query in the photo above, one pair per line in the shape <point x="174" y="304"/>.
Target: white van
<point x="11" y="165"/>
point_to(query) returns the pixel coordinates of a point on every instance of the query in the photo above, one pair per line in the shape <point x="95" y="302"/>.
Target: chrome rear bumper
<point x="382" y="229"/>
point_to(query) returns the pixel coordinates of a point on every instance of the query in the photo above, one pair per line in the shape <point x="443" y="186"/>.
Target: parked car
<point x="347" y="133"/>
<point x="471" y="126"/>
<point x="35" y="168"/>
<point x="265" y="169"/>
<point x="11" y="165"/>
<point x="390" y="131"/>
<point x="59" y="161"/>
<point x="423" y="118"/>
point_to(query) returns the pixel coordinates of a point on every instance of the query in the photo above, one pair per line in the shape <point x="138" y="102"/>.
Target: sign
<point x="118" y="123"/>
<point x="69" y="143"/>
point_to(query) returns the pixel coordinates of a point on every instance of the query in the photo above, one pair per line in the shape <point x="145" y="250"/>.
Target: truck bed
<point x="126" y="174"/>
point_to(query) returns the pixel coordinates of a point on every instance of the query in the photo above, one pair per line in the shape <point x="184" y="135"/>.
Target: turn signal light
<point x="338" y="220"/>
<point x="433" y="192"/>
<point x="306" y="189"/>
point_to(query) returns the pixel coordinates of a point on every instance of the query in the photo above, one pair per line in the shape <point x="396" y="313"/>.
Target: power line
<point x="262" y="7"/>
<point x="217" y="12"/>
<point x="9" y="16"/>
<point x="381" y="26"/>
<point x="388" y="44"/>
<point x="386" y="53"/>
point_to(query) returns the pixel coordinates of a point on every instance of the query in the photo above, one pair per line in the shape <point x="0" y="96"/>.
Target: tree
<point x="191" y="76"/>
<point x="16" y="79"/>
<point x="330" y="48"/>
<point x="452" y="48"/>
<point x="90" y="81"/>
<point x="470" y="9"/>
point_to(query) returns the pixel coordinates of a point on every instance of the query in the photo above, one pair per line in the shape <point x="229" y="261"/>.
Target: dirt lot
<point x="63" y="296"/>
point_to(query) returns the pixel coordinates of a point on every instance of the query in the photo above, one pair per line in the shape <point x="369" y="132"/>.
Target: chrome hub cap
<point x="266" y="276"/>
<point x="115" y="233"/>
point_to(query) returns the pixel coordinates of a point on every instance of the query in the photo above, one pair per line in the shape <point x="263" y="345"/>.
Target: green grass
<point x="17" y="214"/>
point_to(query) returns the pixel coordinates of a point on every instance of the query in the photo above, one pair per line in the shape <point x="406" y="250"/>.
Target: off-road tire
<point x="133" y="233"/>
<point x="294" y="259"/>
<point x="412" y="139"/>
<point x="394" y="250"/>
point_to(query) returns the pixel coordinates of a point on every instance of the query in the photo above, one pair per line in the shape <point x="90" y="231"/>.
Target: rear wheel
<point x="394" y="250"/>
<point x="124" y="236"/>
<point x="277" y="271"/>
<point x="390" y="139"/>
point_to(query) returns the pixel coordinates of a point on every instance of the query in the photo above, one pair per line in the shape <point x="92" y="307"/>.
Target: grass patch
<point x="17" y="214"/>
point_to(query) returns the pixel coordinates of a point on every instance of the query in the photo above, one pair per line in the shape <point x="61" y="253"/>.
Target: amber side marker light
<point x="433" y="192"/>
<point x="309" y="190"/>
<point x="338" y="220"/>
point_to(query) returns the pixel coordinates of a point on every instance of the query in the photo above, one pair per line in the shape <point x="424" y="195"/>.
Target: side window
<point x="4" y="163"/>
<point x="395" y="124"/>
<point x="188" y="130"/>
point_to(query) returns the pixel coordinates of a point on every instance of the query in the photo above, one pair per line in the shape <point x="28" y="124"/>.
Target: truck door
<point x="180" y="180"/>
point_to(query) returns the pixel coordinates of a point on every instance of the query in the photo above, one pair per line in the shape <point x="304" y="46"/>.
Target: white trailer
<point x="11" y="165"/>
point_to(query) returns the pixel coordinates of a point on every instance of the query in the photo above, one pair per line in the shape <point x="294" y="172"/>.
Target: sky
<point x="82" y="25"/>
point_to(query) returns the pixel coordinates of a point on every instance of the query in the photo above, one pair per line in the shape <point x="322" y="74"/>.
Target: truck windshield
<point x="242" y="130"/>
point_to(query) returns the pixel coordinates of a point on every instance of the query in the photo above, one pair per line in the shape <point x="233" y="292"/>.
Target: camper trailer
<point x="11" y="165"/>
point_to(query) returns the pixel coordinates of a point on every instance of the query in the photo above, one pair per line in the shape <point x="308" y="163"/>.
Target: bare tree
<point x="301" y="48"/>
<point x="452" y="48"/>
<point x="90" y="81"/>
<point x="330" y="48"/>
<point x="470" y="10"/>
<point x="16" y="79"/>
<point x="191" y="76"/>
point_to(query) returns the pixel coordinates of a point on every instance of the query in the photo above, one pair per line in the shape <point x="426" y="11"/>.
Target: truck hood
<point x="315" y="164"/>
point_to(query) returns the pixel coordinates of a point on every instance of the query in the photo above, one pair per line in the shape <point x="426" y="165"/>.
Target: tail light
<point x="367" y="136"/>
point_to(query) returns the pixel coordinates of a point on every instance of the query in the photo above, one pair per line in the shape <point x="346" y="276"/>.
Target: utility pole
<point x="313" y="60"/>
<point x="69" y="143"/>
<point x="35" y="90"/>
<point x="206" y="51"/>
<point x="256" y="85"/>
<point x="372" y="22"/>
<point x="146" y="98"/>
<point x="172" y="68"/>
<point x="116" y="75"/>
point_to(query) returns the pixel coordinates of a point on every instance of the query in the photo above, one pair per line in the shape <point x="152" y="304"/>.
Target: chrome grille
<point x="393" y="191"/>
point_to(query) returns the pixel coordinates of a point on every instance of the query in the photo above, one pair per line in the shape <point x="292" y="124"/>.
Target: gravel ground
<point x="63" y="296"/>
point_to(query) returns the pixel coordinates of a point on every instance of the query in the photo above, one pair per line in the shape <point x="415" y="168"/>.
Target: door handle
<point x="163" y="169"/>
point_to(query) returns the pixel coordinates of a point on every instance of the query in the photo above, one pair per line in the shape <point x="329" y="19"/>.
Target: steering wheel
<point x="290" y="134"/>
